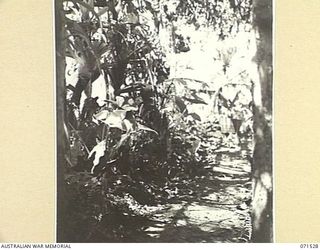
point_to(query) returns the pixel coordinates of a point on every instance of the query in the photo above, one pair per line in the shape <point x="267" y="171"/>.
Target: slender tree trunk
<point x="61" y="136"/>
<point x="262" y="95"/>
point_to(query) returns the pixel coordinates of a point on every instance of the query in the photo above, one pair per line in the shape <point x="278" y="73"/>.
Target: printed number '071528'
<point x="309" y="246"/>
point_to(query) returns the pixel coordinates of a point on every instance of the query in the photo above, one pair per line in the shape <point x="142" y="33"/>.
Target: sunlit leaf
<point x="102" y="115"/>
<point x="145" y="128"/>
<point x="127" y="107"/>
<point x="113" y="119"/>
<point x="103" y="11"/>
<point x="99" y="151"/>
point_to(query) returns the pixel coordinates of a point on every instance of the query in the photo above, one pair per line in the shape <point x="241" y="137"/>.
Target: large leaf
<point x="102" y="115"/>
<point x="128" y="107"/>
<point x="99" y="151"/>
<point x="113" y="119"/>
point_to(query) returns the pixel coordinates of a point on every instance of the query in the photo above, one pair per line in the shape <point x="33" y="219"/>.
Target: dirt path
<point x="216" y="207"/>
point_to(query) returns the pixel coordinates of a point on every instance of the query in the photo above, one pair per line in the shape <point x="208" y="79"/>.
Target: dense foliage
<point x="128" y="146"/>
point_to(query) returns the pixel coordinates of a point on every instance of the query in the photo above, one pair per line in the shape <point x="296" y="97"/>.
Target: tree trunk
<point x="262" y="216"/>
<point x="60" y="133"/>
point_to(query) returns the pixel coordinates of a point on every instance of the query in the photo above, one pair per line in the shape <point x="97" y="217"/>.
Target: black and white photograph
<point x="164" y="121"/>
